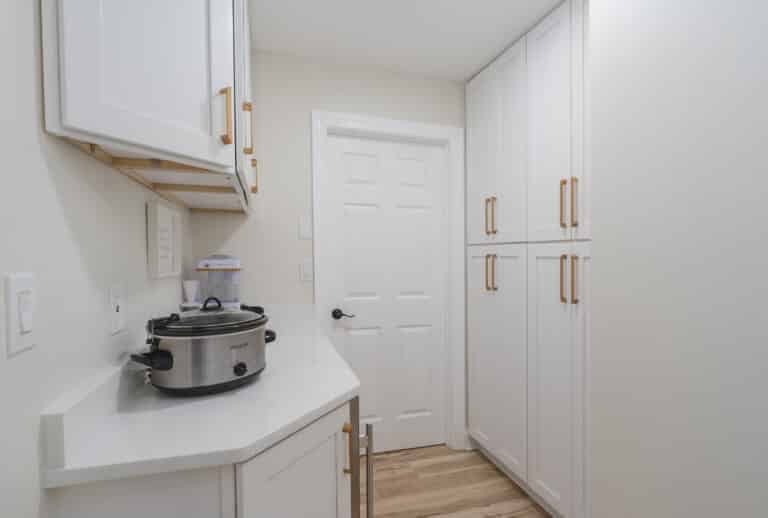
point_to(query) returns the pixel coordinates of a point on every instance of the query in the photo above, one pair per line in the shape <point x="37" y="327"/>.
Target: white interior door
<point x="380" y="256"/>
<point x="550" y="125"/>
<point x="146" y="72"/>
<point x="497" y="351"/>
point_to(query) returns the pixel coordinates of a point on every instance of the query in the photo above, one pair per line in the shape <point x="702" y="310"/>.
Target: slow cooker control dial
<point x="240" y="369"/>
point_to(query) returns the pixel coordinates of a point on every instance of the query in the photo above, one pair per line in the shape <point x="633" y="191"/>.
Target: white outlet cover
<point x="116" y="309"/>
<point x="20" y="304"/>
<point x="306" y="271"/>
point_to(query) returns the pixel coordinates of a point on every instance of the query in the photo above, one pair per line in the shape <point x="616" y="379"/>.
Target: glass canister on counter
<point x="222" y="280"/>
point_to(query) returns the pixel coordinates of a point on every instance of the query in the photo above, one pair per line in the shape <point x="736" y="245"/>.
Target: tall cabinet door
<point x="483" y="123"/>
<point x="558" y="312"/>
<point x="244" y="97"/>
<point x="497" y="352"/>
<point x="150" y="74"/>
<point x="550" y="124"/>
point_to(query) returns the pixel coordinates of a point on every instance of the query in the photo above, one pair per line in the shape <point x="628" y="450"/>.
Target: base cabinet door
<point x="497" y="352"/>
<point x="302" y="476"/>
<point x="557" y="314"/>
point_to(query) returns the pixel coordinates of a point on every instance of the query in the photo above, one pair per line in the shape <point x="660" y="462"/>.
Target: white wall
<point x="79" y="227"/>
<point x="680" y="343"/>
<point x="286" y="90"/>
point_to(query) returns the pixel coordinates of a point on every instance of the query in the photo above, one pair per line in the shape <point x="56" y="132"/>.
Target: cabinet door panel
<point x="483" y="122"/>
<point x="301" y="476"/>
<point x="244" y="97"/>
<point x="497" y="352"/>
<point x="550" y="126"/>
<point x="148" y="73"/>
<point x="550" y="374"/>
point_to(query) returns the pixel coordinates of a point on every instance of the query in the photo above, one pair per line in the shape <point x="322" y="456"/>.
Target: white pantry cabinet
<point x="558" y="316"/>
<point x="496" y="291"/>
<point x="150" y="88"/>
<point x="557" y="186"/>
<point x="496" y="148"/>
<point x="245" y="160"/>
<point x="306" y="475"/>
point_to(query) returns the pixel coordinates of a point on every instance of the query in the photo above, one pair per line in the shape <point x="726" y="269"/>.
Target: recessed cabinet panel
<point x="497" y="352"/>
<point x="147" y="73"/>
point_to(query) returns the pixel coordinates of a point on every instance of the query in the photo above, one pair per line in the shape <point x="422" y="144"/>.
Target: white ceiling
<point x="445" y="39"/>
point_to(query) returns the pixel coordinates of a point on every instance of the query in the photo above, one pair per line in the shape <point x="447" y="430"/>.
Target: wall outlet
<point x="116" y="309"/>
<point x="20" y="302"/>
<point x="306" y="271"/>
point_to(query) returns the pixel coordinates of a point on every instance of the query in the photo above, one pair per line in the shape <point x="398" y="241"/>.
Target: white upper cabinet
<point x="245" y="161"/>
<point x="150" y="73"/>
<point x="496" y="144"/>
<point x="497" y="369"/>
<point x="556" y="186"/>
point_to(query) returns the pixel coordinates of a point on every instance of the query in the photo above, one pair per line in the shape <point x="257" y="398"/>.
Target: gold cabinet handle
<point x="563" y="183"/>
<point x="487" y="269"/>
<point x="494" y="287"/>
<point x="248" y="108"/>
<point x="227" y="93"/>
<point x="487" y="203"/>
<point x="574" y="217"/>
<point x="574" y="298"/>
<point x="494" y="230"/>
<point x="347" y="429"/>
<point x="563" y="259"/>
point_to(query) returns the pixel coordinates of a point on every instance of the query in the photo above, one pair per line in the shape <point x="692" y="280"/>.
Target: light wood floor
<point x="438" y="482"/>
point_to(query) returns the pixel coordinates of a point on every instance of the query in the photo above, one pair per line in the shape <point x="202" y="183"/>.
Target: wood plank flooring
<point x="439" y="482"/>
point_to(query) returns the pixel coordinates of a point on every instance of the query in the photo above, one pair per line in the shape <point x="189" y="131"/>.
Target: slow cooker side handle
<point x="156" y="360"/>
<point x="269" y="336"/>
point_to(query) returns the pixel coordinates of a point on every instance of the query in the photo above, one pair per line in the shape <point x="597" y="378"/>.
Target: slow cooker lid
<point x="210" y="320"/>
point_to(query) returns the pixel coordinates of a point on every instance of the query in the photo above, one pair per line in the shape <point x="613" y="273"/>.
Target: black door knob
<point x="338" y="314"/>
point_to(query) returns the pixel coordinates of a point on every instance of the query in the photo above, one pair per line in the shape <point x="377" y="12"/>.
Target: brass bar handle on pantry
<point x="563" y="184"/>
<point x="494" y="230"/>
<point x="487" y="203"/>
<point x="563" y="259"/>
<point x="227" y="93"/>
<point x="248" y="108"/>
<point x="494" y="287"/>
<point x="487" y="268"/>
<point x="574" y="299"/>
<point x="347" y="429"/>
<point x="574" y="217"/>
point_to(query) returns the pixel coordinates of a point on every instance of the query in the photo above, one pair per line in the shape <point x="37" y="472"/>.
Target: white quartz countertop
<point x="115" y="426"/>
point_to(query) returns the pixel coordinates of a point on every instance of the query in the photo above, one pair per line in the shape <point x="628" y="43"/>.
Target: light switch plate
<point x="116" y="309"/>
<point x="20" y="302"/>
<point x="306" y="271"/>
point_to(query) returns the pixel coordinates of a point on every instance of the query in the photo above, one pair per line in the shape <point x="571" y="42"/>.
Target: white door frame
<point x="325" y="124"/>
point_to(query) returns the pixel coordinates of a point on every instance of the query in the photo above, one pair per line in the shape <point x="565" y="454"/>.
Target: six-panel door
<point x="496" y="332"/>
<point x="150" y="74"/>
<point x="496" y="144"/>
<point x="303" y="476"/>
<point x="558" y="304"/>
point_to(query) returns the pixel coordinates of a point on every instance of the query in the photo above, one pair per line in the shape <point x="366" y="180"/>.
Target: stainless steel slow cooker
<point x="206" y="351"/>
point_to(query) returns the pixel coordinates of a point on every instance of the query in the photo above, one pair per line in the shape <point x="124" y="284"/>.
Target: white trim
<point x="452" y="138"/>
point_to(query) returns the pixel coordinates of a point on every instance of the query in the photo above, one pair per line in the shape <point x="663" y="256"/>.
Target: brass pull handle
<point x="493" y="273"/>
<point x="487" y="260"/>
<point x="574" y="217"/>
<point x="563" y="183"/>
<point x="248" y="108"/>
<point x="563" y="299"/>
<point x="494" y="230"/>
<point x="487" y="230"/>
<point x="227" y="93"/>
<point x="574" y="298"/>
<point x="347" y="429"/>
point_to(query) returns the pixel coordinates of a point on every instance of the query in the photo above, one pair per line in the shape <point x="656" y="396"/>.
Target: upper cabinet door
<point x="483" y="123"/>
<point x="550" y="123"/>
<point x="244" y="96"/>
<point x="496" y="149"/>
<point x="581" y="215"/>
<point x="152" y="74"/>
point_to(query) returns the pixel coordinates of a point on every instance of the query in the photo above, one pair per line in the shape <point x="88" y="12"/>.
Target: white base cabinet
<point x="301" y="476"/>
<point x="497" y="369"/>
